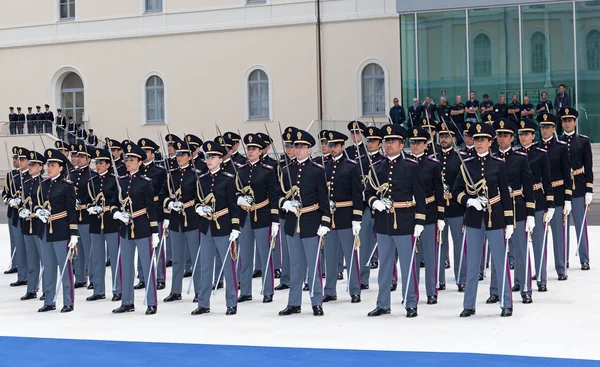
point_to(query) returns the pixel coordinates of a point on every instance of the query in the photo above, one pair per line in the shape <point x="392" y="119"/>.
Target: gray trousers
<point x="578" y="212"/>
<point x="454" y="229"/>
<point x="83" y="261"/>
<point x="285" y="254"/>
<point x="497" y="246"/>
<point x="428" y="247"/>
<point x="557" y="226"/>
<point x="144" y="248"/>
<point x="20" y="259"/>
<point x="538" y="238"/>
<point x="367" y="242"/>
<point x="99" y="251"/>
<point x="182" y="242"/>
<point x="518" y="247"/>
<point x="169" y="253"/>
<point x="388" y="245"/>
<point x="161" y="271"/>
<point x="32" y="249"/>
<point x="53" y="257"/>
<point x="341" y="241"/>
<point x="247" y="240"/>
<point x="212" y="247"/>
<point x="11" y="235"/>
<point x="304" y="254"/>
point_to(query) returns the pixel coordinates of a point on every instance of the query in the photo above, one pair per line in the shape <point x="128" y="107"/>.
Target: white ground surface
<point x="564" y="322"/>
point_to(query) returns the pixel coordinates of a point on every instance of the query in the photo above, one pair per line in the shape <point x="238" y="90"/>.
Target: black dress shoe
<point x="173" y="297"/>
<point x="411" y="312"/>
<point x="318" y="310"/>
<point x="563" y="277"/>
<point x="281" y="287"/>
<point x="244" y="299"/>
<point x="480" y="277"/>
<point x="11" y="271"/>
<point x="43" y="297"/>
<point x="364" y="286"/>
<point x="96" y="297"/>
<point x="447" y="264"/>
<point x="567" y="264"/>
<point x="379" y="311"/>
<point x="91" y="286"/>
<point x="116" y="297"/>
<point x="195" y="300"/>
<point x="219" y="286"/>
<point x="29" y="295"/>
<point x="289" y="310"/>
<point x="80" y="285"/>
<point x="257" y="274"/>
<point x="277" y="273"/>
<point x="461" y="288"/>
<point x="140" y="285"/>
<point x="373" y="265"/>
<point x="431" y="300"/>
<point x="506" y="312"/>
<point x="66" y="309"/>
<point x="585" y="266"/>
<point x="267" y="299"/>
<point x="542" y="288"/>
<point x="516" y="288"/>
<point x="526" y="298"/>
<point x="467" y="313"/>
<point x="169" y="263"/>
<point x="487" y="265"/>
<point x="107" y="263"/>
<point x="151" y="310"/>
<point x="323" y="275"/>
<point x="187" y="274"/>
<point x="340" y="276"/>
<point x="305" y="288"/>
<point x="160" y="285"/>
<point x="124" y="308"/>
<point x="394" y="287"/>
<point x="442" y="287"/>
<point x="328" y="298"/>
<point x="18" y="283"/>
<point x="355" y="298"/>
<point x="46" y="308"/>
<point x="201" y="310"/>
<point x="492" y="299"/>
<point x="422" y="264"/>
<point x="512" y="266"/>
<point x="231" y="311"/>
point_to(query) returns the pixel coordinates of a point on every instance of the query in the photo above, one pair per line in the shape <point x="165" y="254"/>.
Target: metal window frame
<point x="263" y="89"/>
<point x="154" y="8"/>
<point x="154" y="89"/>
<point x="67" y="3"/>
<point x="374" y="77"/>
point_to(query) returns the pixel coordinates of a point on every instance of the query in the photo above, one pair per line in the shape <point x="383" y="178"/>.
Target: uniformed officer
<point x="481" y="185"/>
<point x="171" y="160"/>
<point x="71" y="130"/>
<point x="580" y="154"/>
<point x="228" y="162"/>
<point x="9" y="192"/>
<point x="430" y="171"/>
<point x="171" y="139"/>
<point x="219" y="228"/>
<point x="104" y="230"/>
<point x="64" y="148"/>
<point x="469" y="148"/>
<point x="73" y="158"/>
<point x="133" y="205"/>
<point x="258" y="196"/>
<point x="325" y="148"/>
<point x="523" y="203"/>
<point x="357" y="150"/>
<point x="58" y="234"/>
<point x="117" y="151"/>
<point x="233" y="152"/>
<point x="542" y="187"/>
<point x="344" y="186"/>
<point x="197" y="155"/>
<point x="92" y="139"/>
<point x="414" y="113"/>
<point x="38" y="120"/>
<point x="265" y="157"/>
<point x="179" y="193"/>
<point x="431" y="146"/>
<point x="307" y="221"/>
<point x="20" y="121"/>
<point x="562" y="188"/>
<point x="48" y="119"/>
<point x="30" y="121"/>
<point x="12" y="120"/>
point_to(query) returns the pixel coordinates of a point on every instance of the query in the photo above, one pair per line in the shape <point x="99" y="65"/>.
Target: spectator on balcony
<point x="429" y="109"/>
<point x="30" y="121"/>
<point x="71" y="130"/>
<point x="562" y="99"/>
<point x="414" y="113"/>
<point x="48" y="119"/>
<point x="12" y="120"/>
<point x="92" y="139"/>
<point x="487" y="108"/>
<point x="38" y="122"/>
<point x="457" y="113"/>
<point x="20" y="121"/>
<point x="61" y="124"/>
<point x="514" y="109"/>
<point x="81" y="133"/>
<point x="443" y="111"/>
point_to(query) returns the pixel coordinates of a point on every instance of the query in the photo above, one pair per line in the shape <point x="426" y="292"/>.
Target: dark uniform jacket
<point x="521" y="185"/>
<point x="560" y="169"/>
<point x="101" y="190"/>
<point x="540" y="175"/>
<point x="414" y="115"/>
<point x="137" y="195"/>
<point x="501" y="111"/>
<point x="58" y="196"/>
<point x="431" y="174"/>
<point x="219" y="188"/>
<point x="158" y="175"/>
<point x="580" y="153"/>
<point x="238" y="158"/>
<point x="355" y="154"/>
<point x="345" y="190"/>
<point x="182" y="186"/>
<point x="443" y="112"/>
<point x="259" y="180"/>
<point x="121" y="168"/>
<point x="32" y="225"/>
<point x="450" y="170"/>
<point x="486" y="104"/>
<point x="12" y="190"/>
<point x="80" y="178"/>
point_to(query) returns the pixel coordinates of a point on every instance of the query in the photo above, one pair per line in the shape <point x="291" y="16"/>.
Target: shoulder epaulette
<point x="146" y="178"/>
<point x="267" y="166"/>
<point x="411" y="160"/>
<point x="352" y="161"/>
<point x="227" y="174"/>
<point x="541" y="150"/>
<point x="69" y="182"/>
<point x="160" y="166"/>
<point x="561" y="142"/>
<point x="196" y="170"/>
<point x="123" y="177"/>
<point x="46" y="179"/>
<point x="174" y="169"/>
<point x="584" y="136"/>
<point x="203" y="175"/>
<point x="469" y="159"/>
<point x="378" y="162"/>
<point x="317" y="164"/>
<point x="72" y="170"/>
<point x="521" y="153"/>
<point x="463" y="152"/>
<point x="433" y="159"/>
<point x="498" y="159"/>
<point x="27" y="180"/>
<point x="239" y="165"/>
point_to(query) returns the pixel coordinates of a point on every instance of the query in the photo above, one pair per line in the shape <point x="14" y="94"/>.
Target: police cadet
<point x="357" y="150"/>
<point x="431" y="146"/>
<point x="523" y="204"/>
<point x="171" y="139"/>
<point x="392" y="185"/>
<point x="430" y="171"/>
<point x="482" y="187"/>
<point x="30" y="225"/>
<point x="104" y="230"/>
<point x="71" y="130"/>
<point x="8" y="193"/>
<point x="265" y="158"/>
<point x="219" y="228"/>
<point x="80" y="178"/>
<point x="179" y="193"/>
<point x="325" y="148"/>
<point x="562" y="188"/>
<point x="30" y="118"/>
<point x="469" y="148"/>
<point x="20" y="120"/>
<point x="48" y="119"/>
<point x="453" y="212"/>
<point x="195" y="144"/>
<point x="73" y="158"/>
<point x="258" y="196"/>
<point x="233" y="152"/>
<point x="307" y="221"/>
<point x="157" y="173"/>
<point x="344" y="186"/>
<point x="542" y="187"/>
<point x="116" y="150"/>
<point x="64" y="148"/>
<point x="133" y="205"/>
<point x="58" y="234"/>
<point x="38" y="120"/>
<point x="580" y="154"/>
<point x="12" y="120"/>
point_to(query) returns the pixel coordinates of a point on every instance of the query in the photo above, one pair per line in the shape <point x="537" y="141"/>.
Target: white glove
<point x="418" y="230"/>
<point x="155" y="240"/>
<point x="274" y="229"/>
<point x="166" y="223"/>
<point x="322" y="231"/>
<point x="243" y="201"/>
<point x="234" y="235"/>
<point x="16" y="201"/>
<point x="24" y="213"/>
<point x="588" y="198"/>
<point x="43" y="215"/>
<point x="175" y="205"/>
<point x="203" y="211"/>
<point x="355" y="228"/>
<point x="94" y="210"/>
<point x="441" y="225"/>
<point x="378" y="205"/>
<point x="73" y="242"/>
<point x="288" y="207"/>
<point x="567" y="208"/>
<point x="119" y="216"/>
<point x="549" y="215"/>
<point x="509" y="231"/>
<point x="529" y="224"/>
<point x="475" y="204"/>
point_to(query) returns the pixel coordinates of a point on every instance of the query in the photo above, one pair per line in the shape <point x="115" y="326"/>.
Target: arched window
<point x="482" y="55"/>
<point x="72" y="97"/>
<point x="373" y="90"/>
<point x="592" y="46"/>
<point x="155" y="100"/>
<point x="539" y="58"/>
<point x="258" y="95"/>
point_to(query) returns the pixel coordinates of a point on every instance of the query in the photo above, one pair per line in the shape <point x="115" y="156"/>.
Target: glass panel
<point x="72" y="10"/>
<point x="72" y="81"/>
<point x="78" y="115"/>
<point x="69" y="112"/>
<point x="409" y="73"/>
<point x="79" y="99"/>
<point x="64" y="11"/>
<point x="67" y="100"/>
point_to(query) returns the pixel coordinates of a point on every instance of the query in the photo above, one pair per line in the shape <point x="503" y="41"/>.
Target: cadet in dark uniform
<point x="58" y="234"/>
<point x="562" y="188"/>
<point x="133" y="205"/>
<point x="20" y="121"/>
<point x="71" y="130"/>
<point x="432" y="147"/>
<point x="489" y="189"/>
<point x="171" y="139"/>
<point x="12" y="120"/>
<point x="219" y="228"/>
<point x="357" y="150"/>
<point x="233" y="152"/>
<point x="501" y="109"/>
<point x="30" y="118"/>
<point x="580" y="154"/>
<point x="48" y="119"/>
<point x="117" y="150"/>
<point x="307" y="221"/>
<point x="39" y="129"/>
<point x="171" y="161"/>
<point x="9" y="192"/>
<point x="542" y="187"/>
<point x="430" y="171"/>
<point x="64" y="148"/>
<point x="92" y="139"/>
<point x="197" y="155"/>
<point x="469" y="148"/>
<point x="61" y="124"/>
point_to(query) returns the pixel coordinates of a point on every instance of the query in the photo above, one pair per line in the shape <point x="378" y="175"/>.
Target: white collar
<point x="302" y="161"/>
<point x="253" y="163"/>
<point x="35" y="176"/>
<point x="184" y="167"/>
<point x="569" y="134"/>
<point x="373" y="153"/>
<point x="527" y="147"/>
<point x="483" y="154"/>
<point x="25" y="170"/>
<point x="102" y="174"/>
<point x="82" y="167"/>
<point x="132" y="173"/>
<point x="214" y="172"/>
<point x="547" y="140"/>
<point x="338" y="157"/>
<point x="470" y="147"/>
<point x="504" y="151"/>
<point x="147" y="164"/>
<point x="326" y="154"/>
<point x="419" y="155"/>
<point x="54" y="178"/>
<point x="394" y="157"/>
<point x="446" y="150"/>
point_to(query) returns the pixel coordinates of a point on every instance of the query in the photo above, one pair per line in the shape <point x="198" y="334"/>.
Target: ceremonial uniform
<point x="114" y="145"/>
<point x="30" y="121"/>
<point x="356" y="151"/>
<point x="12" y="121"/>
<point x="10" y="192"/>
<point x="16" y="202"/>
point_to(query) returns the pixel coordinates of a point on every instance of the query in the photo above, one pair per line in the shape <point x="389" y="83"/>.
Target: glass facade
<point x="504" y="51"/>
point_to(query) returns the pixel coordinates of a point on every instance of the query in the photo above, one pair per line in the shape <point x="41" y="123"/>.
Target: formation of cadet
<point x="355" y="198"/>
<point x="36" y="122"/>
